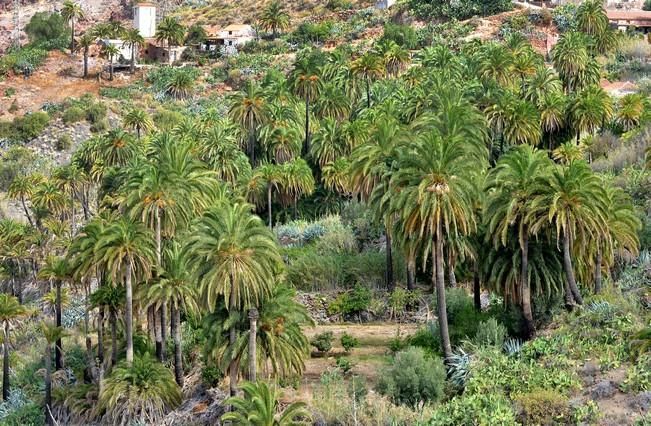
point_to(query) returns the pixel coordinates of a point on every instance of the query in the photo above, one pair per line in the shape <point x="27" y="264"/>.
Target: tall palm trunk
<point x="306" y="147"/>
<point x="253" y="334"/>
<point x="178" y="349"/>
<point x="85" y="62"/>
<point x="269" y="193"/>
<point x="597" y="272"/>
<point x="158" y="315"/>
<point x="452" y="276"/>
<point x="163" y="330"/>
<point x="72" y="37"/>
<point x="368" y="92"/>
<point x="89" y="344"/>
<point x="389" y="273"/>
<point x="114" y="336"/>
<point x="29" y="217"/>
<point x="232" y="369"/>
<point x="411" y="273"/>
<point x="48" y="384"/>
<point x="525" y="294"/>
<point x="476" y="285"/>
<point x="569" y="271"/>
<point x="133" y="67"/>
<point x="58" y="350"/>
<point x="5" y="362"/>
<point x="129" y="315"/>
<point x="100" y="334"/>
<point x="439" y="281"/>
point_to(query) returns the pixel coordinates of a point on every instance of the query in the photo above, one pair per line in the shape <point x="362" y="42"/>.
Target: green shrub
<point x="14" y="106"/>
<point x="344" y="364"/>
<point x="323" y="341"/>
<point x="403" y="35"/>
<point x="490" y="333"/>
<point x="427" y="338"/>
<point x="63" y="143"/>
<point x="166" y="120"/>
<point x="400" y="299"/>
<point x="120" y="93"/>
<point x="9" y="92"/>
<point x="100" y="126"/>
<point x="211" y="375"/>
<point x="312" y="32"/>
<point x="15" y="161"/>
<point x="492" y="408"/>
<point x="463" y="9"/>
<point x="638" y="377"/>
<point x="354" y="301"/>
<point x="96" y="112"/>
<point x="413" y="379"/>
<point x="543" y="407"/>
<point x="349" y="342"/>
<point x="48" y="30"/>
<point x="16" y="60"/>
<point x="29" y="126"/>
<point x="73" y="115"/>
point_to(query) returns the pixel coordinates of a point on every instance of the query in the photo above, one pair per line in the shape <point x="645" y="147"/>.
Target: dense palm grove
<point x="473" y="161"/>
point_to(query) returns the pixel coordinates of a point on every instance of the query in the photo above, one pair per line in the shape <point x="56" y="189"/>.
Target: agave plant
<point x="512" y="346"/>
<point x="459" y="368"/>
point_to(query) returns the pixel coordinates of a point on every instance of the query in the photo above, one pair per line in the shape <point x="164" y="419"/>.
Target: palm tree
<point x="126" y="248"/>
<point x="327" y="144"/>
<point x="117" y="148"/>
<point x="249" y="110"/>
<point x="298" y="181"/>
<point x="395" y="57"/>
<point x="510" y="186"/>
<point x="274" y="17"/>
<point x="260" y="407"/>
<point x="133" y="40"/>
<point x="590" y="109"/>
<point x="138" y="119"/>
<point x="49" y="198"/>
<point x="433" y="193"/>
<point x="571" y="200"/>
<point x="10" y="310"/>
<point x="72" y="12"/>
<point x="572" y="61"/>
<point x="553" y="111"/>
<point x="180" y="85"/>
<point x="110" y="51"/>
<point x="368" y="67"/>
<point x="629" y="110"/>
<point x="85" y="42"/>
<point x="336" y="176"/>
<point x="234" y="256"/>
<point x="333" y="103"/>
<point x="52" y="334"/>
<point x="307" y="84"/>
<point x="591" y="17"/>
<point x="56" y="269"/>
<point x="265" y="179"/>
<point x="170" y="31"/>
<point x="110" y="297"/>
<point x="21" y="188"/>
<point x="175" y="289"/>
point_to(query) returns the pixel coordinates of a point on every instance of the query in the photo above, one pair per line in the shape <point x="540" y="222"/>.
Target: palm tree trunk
<point x="114" y="336"/>
<point x="163" y="330"/>
<point x="569" y="271"/>
<point x="232" y="369"/>
<point x="476" y="285"/>
<point x="85" y="62"/>
<point x="89" y="343"/>
<point x="368" y="92"/>
<point x="100" y="334"/>
<point x="269" y="190"/>
<point x="389" y="273"/>
<point x="158" y="331"/>
<point x="72" y="37"/>
<point x="438" y="267"/>
<point x="525" y="294"/>
<point x="5" y="363"/>
<point x="306" y="147"/>
<point x="452" y="277"/>
<point x="253" y="334"/>
<point x="111" y="69"/>
<point x="29" y="218"/>
<point x="48" y="384"/>
<point x="178" y="349"/>
<point x="411" y="273"/>
<point x="597" y="272"/>
<point x="133" y="66"/>
<point x="58" y="350"/>
<point x="129" y="315"/>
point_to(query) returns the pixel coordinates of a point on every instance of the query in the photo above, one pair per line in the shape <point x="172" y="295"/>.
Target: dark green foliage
<point x="354" y="301"/>
<point x="564" y="17"/>
<point x="48" y="30"/>
<point x="647" y="5"/>
<point x="413" y="379"/>
<point x="166" y="120"/>
<point x="16" y="60"/>
<point x="462" y="9"/>
<point x="63" y="143"/>
<point x="308" y="32"/>
<point x="26" y="127"/>
<point x="196" y="35"/>
<point x="30" y="414"/>
<point x="349" y="342"/>
<point x="427" y="338"/>
<point x="490" y="333"/>
<point x="211" y="375"/>
<point x="543" y="407"/>
<point x="16" y="161"/>
<point x="73" y="115"/>
<point x="323" y="341"/>
<point x="161" y="77"/>
<point x="344" y="364"/>
<point x="76" y="360"/>
<point x="96" y="112"/>
<point x="403" y="35"/>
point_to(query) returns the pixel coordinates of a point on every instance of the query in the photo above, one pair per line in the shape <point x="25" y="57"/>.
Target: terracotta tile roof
<point x="237" y="27"/>
<point x="629" y="15"/>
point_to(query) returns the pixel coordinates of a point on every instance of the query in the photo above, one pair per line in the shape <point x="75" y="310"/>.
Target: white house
<point x="236" y="34"/>
<point x="125" y="51"/>
<point x="144" y="19"/>
<point x="384" y="4"/>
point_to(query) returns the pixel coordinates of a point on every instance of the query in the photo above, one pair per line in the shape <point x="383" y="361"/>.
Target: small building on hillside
<point x="237" y="34"/>
<point x="144" y="19"/>
<point x="124" y="57"/>
<point x="384" y="4"/>
<point x="162" y="54"/>
<point x="623" y="19"/>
